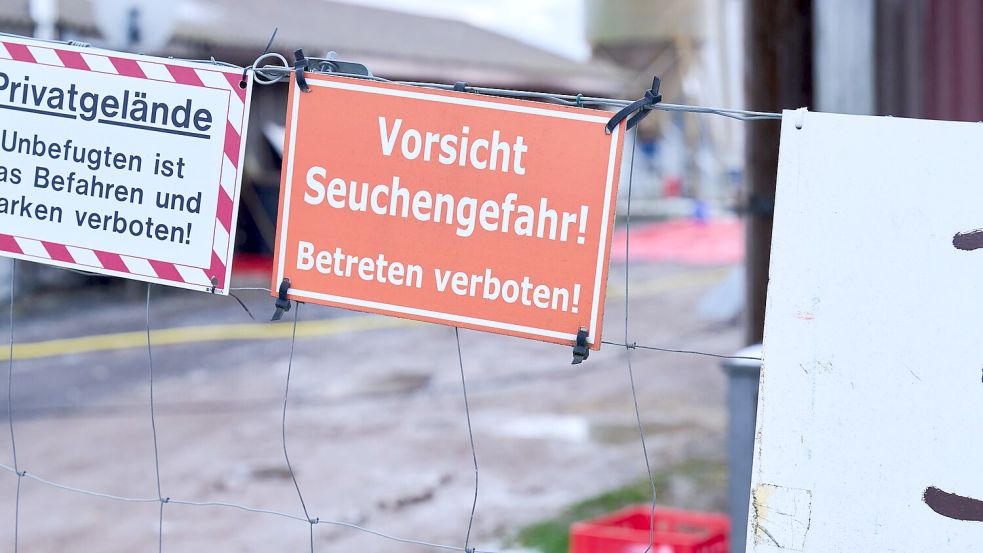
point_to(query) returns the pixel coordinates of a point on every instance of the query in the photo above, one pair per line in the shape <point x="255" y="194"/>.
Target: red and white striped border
<point x="151" y="69"/>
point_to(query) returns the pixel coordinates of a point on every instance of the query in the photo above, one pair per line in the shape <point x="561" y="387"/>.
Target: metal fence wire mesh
<point x="308" y="521"/>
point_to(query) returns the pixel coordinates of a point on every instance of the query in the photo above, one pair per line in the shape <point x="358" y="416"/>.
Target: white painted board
<point x="871" y="401"/>
<point x="120" y="164"/>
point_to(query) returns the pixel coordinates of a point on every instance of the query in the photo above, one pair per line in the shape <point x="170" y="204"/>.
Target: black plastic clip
<point x="331" y="64"/>
<point x="300" y="65"/>
<point x="282" y="303"/>
<point x="460" y="86"/>
<point x="214" y="281"/>
<point x="640" y="108"/>
<point x="580" y="351"/>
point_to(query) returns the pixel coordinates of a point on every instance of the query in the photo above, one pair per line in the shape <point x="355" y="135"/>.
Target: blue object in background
<point x="701" y="212"/>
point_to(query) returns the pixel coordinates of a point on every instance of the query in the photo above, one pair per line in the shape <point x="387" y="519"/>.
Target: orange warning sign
<point x="456" y="208"/>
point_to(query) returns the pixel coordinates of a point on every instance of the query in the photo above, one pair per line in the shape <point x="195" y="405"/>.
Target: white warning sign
<point x="120" y="164"/>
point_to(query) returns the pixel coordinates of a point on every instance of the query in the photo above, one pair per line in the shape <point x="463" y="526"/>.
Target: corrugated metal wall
<point x="954" y="60"/>
<point x="930" y="59"/>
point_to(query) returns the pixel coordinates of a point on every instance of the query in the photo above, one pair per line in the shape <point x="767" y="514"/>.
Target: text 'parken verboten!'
<point x="120" y="164"/>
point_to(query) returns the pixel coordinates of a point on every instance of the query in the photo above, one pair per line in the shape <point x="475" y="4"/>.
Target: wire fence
<point x="271" y="75"/>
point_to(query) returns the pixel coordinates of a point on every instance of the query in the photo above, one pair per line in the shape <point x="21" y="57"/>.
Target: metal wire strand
<point x="394" y="538"/>
<point x="49" y="41"/>
<point x="648" y="463"/>
<point x="631" y="173"/>
<point x="20" y="478"/>
<point x="275" y="74"/>
<point x="283" y="425"/>
<point x="272" y="74"/>
<point x="631" y="373"/>
<point x="10" y="365"/>
<point x="46" y="482"/>
<point x="474" y="454"/>
<point x="10" y="405"/>
<point x="245" y="508"/>
<point x="242" y="82"/>
<point x="153" y="426"/>
<point x="241" y="508"/>
<point x="633" y="345"/>
<point x="242" y="304"/>
<point x="236" y="506"/>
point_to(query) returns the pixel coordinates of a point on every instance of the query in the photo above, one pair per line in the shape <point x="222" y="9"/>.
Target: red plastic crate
<point x="676" y="531"/>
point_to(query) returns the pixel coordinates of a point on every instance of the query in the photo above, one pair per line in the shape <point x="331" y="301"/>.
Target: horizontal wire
<point x="211" y="407"/>
<point x="210" y="61"/>
<point x="486" y="384"/>
<point x="237" y="506"/>
<point x="103" y="495"/>
<point x="48" y="40"/>
<point x="391" y="537"/>
<point x="680" y="351"/>
<point x="273" y="74"/>
<point x="279" y="73"/>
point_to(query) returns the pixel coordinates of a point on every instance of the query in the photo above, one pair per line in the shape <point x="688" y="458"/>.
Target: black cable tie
<point x="460" y="86"/>
<point x="282" y="304"/>
<point x="580" y="350"/>
<point x="214" y="281"/>
<point x="242" y="81"/>
<point x="300" y="64"/>
<point x="637" y="109"/>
